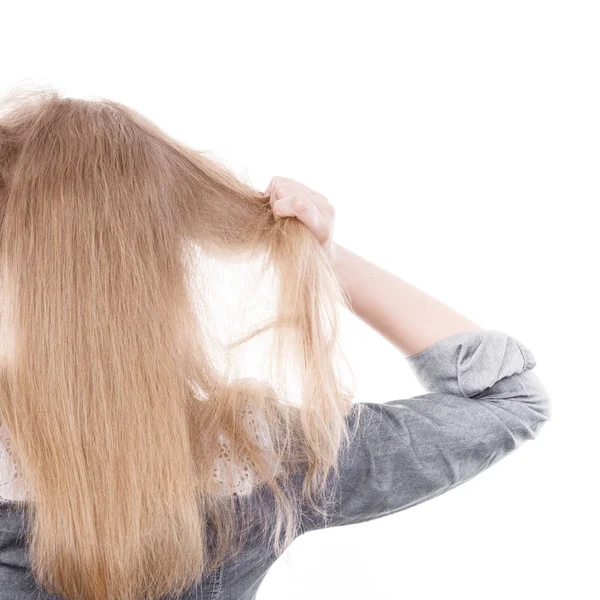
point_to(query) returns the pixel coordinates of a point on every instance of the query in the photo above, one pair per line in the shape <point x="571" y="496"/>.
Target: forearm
<point x="406" y="316"/>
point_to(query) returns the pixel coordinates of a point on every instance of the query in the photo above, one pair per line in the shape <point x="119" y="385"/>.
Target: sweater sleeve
<point x="483" y="402"/>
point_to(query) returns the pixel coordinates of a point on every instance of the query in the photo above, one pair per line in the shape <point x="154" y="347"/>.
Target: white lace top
<point x="13" y="488"/>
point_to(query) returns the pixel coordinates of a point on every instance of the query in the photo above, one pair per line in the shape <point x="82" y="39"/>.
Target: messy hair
<point x="114" y="386"/>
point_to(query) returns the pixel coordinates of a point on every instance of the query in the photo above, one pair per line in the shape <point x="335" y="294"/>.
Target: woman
<point x="138" y="466"/>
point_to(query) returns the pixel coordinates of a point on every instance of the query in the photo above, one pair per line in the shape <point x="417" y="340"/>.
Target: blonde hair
<point x="109" y="384"/>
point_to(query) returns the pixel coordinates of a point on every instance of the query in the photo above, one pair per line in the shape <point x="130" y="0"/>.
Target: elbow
<point x="523" y="402"/>
<point x="538" y="401"/>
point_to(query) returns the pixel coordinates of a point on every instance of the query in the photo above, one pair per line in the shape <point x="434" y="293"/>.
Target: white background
<point x="460" y="143"/>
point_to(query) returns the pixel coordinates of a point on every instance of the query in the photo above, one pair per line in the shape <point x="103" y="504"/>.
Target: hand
<point x="289" y="198"/>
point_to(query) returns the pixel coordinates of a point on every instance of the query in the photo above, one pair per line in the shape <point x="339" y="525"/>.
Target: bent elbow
<point x="537" y="402"/>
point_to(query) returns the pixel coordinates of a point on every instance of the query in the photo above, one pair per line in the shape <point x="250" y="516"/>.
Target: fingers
<point x="280" y="187"/>
<point x="290" y="198"/>
<point x="284" y="207"/>
<point x="301" y="208"/>
<point x="269" y="189"/>
<point x="277" y="185"/>
<point x="275" y="189"/>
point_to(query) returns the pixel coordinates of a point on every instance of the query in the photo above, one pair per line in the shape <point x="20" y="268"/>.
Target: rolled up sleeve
<point x="483" y="401"/>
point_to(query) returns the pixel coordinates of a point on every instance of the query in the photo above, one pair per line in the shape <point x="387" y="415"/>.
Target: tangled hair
<point x="113" y="386"/>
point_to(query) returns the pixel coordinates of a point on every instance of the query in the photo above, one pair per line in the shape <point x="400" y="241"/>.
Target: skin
<point x="406" y="316"/>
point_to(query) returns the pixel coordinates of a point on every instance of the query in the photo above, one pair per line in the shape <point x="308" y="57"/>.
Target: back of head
<point x="109" y="385"/>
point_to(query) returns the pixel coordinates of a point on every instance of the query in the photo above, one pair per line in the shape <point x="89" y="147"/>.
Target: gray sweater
<point x="482" y="402"/>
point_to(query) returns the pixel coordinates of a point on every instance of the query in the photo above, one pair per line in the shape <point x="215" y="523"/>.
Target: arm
<point x="406" y="316"/>
<point x="483" y="400"/>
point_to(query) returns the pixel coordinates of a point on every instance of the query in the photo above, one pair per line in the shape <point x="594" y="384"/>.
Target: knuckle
<point x="298" y="204"/>
<point x="282" y="190"/>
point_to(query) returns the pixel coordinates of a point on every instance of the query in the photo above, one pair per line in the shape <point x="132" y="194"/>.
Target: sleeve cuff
<point x="468" y="363"/>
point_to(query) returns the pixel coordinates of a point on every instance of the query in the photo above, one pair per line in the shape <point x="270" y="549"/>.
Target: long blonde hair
<point x="110" y="385"/>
